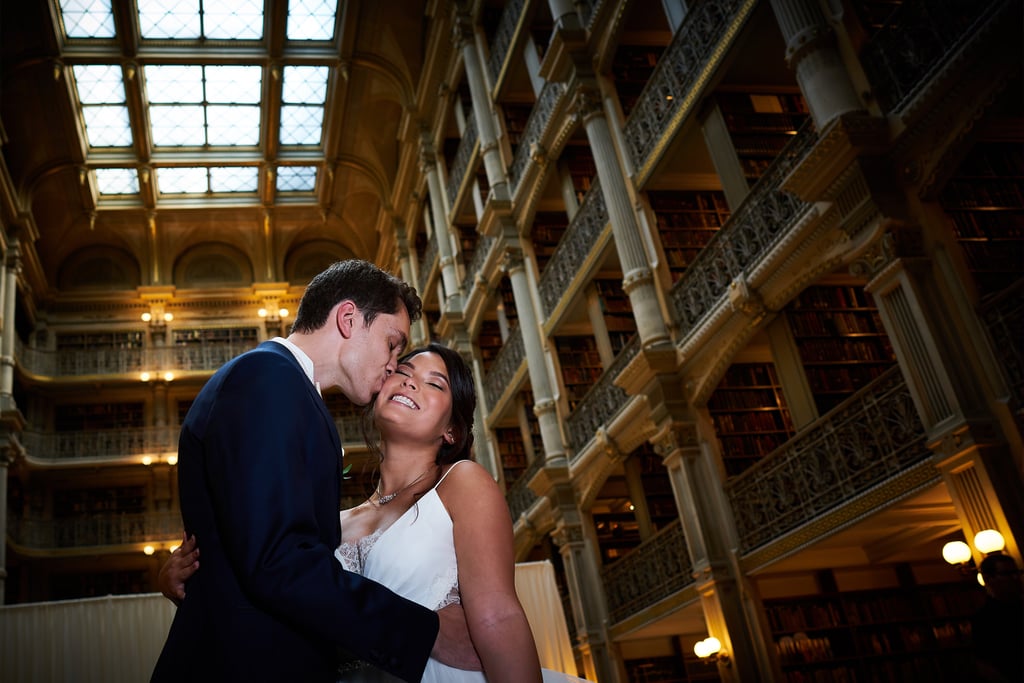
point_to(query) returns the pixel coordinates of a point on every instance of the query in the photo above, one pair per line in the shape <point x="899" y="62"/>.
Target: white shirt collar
<point x="305" y="361"/>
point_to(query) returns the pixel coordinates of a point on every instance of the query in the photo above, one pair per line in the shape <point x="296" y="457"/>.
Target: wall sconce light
<point x="172" y="459"/>
<point x="145" y="376"/>
<point x="958" y="553"/>
<point x="147" y="316"/>
<point x="149" y="549"/>
<point x="147" y="460"/>
<point x="711" y="649"/>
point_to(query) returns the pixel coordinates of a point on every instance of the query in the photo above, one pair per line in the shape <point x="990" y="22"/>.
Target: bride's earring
<point x="449" y="437"/>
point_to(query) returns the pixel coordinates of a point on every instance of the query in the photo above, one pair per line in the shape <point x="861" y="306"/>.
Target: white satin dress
<point x="415" y="557"/>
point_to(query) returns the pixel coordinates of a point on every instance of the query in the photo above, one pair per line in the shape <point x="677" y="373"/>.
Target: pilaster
<point x="449" y="276"/>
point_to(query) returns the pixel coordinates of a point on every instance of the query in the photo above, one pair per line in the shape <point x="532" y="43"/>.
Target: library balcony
<point x="91" y="531"/>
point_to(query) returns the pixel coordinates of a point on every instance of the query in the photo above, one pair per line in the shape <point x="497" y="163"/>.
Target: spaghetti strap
<point x="448" y="472"/>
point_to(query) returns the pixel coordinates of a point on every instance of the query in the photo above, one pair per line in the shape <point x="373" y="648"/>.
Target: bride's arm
<point x="486" y="561"/>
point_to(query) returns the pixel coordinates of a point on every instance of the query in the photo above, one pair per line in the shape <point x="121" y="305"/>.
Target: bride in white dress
<point x="433" y="508"/>
<point x="437" y="529"/>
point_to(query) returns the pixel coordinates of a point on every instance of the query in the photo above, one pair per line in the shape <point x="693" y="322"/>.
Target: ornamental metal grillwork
<point x="574" y="247"/>
<point x="100" y="443"/>
<point x="588" y="10"/>
<point x="871" y="437"/>
<point x="916" y="40"/>
<point x="480" y="254"/>
<point x="78" y="362"/>
<point x="504" y="367"/>
<point x="602" y="402"/>
<point x="94" y="530"/>
<point x="427" y="263"/>
<point x="1003" y="316"/>
<point x="691" y="48"/>
<point x="520" y="496"/>
<point x="503" y="37"/>
<point x="457" y="173"/>
<point x="350" y="428"/>
<point x="534" y="129"/>
<point x="751" y="231"/>
<point x="656" y="569"/>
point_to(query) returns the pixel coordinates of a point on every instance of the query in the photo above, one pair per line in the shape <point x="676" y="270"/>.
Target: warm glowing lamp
<point x="149" y="550"/>
<point x="989" y="541"/>
<point x="172" y="460"/>
<point x="168" y="317"/>
<point x="283" y="312"/>
<point x="956" y="552"/>
<point x="144" y="376"/>
<point x="714" y="645"/>
<point x="168" y="376"/>
<point x="262" y="313"/>
<point x="700" y="648"/>
<point x="173" y="548"/>
<point x="146" y="317"/>
<point x="147" y="460"/>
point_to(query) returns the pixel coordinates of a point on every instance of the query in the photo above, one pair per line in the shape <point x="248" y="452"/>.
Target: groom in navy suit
<point x="259" y="472"/>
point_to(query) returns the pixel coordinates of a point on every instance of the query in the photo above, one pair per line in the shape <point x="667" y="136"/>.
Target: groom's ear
<point x="346" y="317"/>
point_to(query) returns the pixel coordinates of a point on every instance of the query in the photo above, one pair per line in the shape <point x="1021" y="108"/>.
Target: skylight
<point x="198" y="100"/>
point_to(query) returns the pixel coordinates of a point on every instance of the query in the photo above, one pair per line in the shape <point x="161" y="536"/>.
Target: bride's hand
<point x="182" y="564"/>
<point x="453" y="645"/>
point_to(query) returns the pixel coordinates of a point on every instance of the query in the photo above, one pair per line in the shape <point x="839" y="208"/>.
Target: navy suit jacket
<point x="259" y="473"/>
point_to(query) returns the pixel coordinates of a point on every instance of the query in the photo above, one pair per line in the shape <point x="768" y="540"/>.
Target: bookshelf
<point x="85" y="341"/>
<point x="686" y="222"/>
<point x="223" y="336"/>
<point x="841" y="341"/>
<point x="489" y="341"/>
<point x="631" y="69"/>
<point x="750" y="415"/>
<point x="760" y="124"/>
<point x="618" y="312"/>
<point x="516" y="116"/>
<point x="582" y="169"/>
<point x="86" y="417"/>
<point x="81" y="502"/>
<point x="672" y="669"/>
<point x="984" y="201"/>
<point x="512" y="452"/>
<point x="581" y="366"/>
<point x="508" y="300"/>
<point x="548" y="228"/>
<point x="900" y="634"/>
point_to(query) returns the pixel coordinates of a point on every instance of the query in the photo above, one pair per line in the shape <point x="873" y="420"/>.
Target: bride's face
<point x="416" y="400"/>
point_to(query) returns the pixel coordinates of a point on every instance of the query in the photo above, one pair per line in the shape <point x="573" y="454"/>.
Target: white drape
<point x="538" y="593"/>
<point x="107" y="640"/>
<point x="117" y="639"/>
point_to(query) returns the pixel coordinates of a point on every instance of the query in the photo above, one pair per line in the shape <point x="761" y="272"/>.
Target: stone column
<point x="812" y="53"/>
<point x="536" y="362"/>
<point x="8" y="335"/>
<point x="923" y="311"/>
<point x="482" y="112"/>
<point x="419" y="332"/>
<point x="637" y="497"/>
<point x="710" y="536"/>
<point x="449" y="276"/>
<point x="586" y="593"/>
<point x="637" y="278"/>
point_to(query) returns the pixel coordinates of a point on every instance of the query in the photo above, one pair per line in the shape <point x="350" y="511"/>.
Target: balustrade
<point x="82" y="362"/>
<point x="520" y="496"/>
<point x="669" y="88"/>
<point x="602" y="402"/>
<point x="94" y="530"/>
<point x="463" y="155"/>
<point x="580" y="238"/>
<point x="503" y="36"/>
<point x="480" y="254"/>
<point x="533" y="131"/>
<point x="918" y="37"/>
<point x="503" y="369"/>
<point x="751" y="231"/>
<point x="653" y="571"/>
<point x="427" y="263"/>
<point x="100" y="443"/>
<point x="872" y="436"/>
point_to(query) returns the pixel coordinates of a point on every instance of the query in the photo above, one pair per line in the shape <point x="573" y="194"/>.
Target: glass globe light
<point x="989" y="541"/>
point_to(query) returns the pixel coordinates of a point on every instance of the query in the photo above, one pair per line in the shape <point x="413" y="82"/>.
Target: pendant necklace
<point x="384" y="500"/>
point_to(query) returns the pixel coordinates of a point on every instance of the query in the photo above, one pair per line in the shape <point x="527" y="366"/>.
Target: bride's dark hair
<point x="460" y="380"/>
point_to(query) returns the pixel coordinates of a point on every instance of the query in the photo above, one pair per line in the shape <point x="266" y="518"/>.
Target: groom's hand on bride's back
<point x="453" y="646"/>
<point x="182" y="564"/>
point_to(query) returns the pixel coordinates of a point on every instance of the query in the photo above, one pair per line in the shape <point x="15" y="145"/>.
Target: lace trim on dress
<point x="351" y="554"/>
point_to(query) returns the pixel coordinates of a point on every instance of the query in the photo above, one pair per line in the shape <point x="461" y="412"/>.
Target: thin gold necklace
<point x="384" y="500"/>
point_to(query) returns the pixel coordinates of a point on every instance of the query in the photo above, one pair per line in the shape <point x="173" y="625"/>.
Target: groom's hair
<point x="371" y="289"/>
